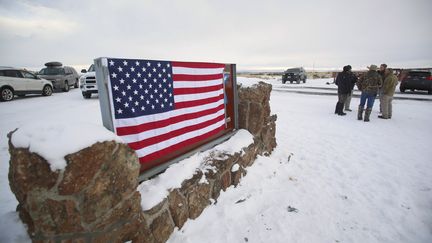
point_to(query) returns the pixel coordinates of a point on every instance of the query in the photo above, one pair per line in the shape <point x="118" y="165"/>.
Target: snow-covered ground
<point x="330" y="179"/>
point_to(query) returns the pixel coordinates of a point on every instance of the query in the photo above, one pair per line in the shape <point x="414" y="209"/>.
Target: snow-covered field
<point x="330" y="179"/>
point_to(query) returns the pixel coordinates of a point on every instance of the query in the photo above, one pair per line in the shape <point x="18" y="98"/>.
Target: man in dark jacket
<point x="344" y="81"/>
<point x="353" y="82"/>
<point x="369" y="85"/>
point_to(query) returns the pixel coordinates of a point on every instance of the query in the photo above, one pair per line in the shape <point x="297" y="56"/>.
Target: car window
<point x="91" y="68"/>
<point x="12" y="73"/>
<point x="28" y="75"/>
<point x="419" y="73"/>
<point x="52" y="71"/>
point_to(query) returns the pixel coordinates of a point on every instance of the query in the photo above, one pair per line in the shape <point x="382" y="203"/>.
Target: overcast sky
<point x="253" y="34"/>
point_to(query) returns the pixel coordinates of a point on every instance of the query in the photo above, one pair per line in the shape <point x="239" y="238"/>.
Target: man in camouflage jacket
<point x="388" y="90"/>
<point x="369" y="84"/>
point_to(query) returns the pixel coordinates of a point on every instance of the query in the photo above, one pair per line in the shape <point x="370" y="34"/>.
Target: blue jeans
<point x="369" y="97"/>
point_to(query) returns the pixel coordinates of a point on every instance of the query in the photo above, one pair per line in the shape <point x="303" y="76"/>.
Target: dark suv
<point x="294" y="74"/>
<point x="417" y="80"/>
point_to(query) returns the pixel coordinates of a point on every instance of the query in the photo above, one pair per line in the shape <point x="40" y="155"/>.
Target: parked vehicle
<point x="294" y="74"/>
<point x="88" y="82"/>
<point x="20" y="82"/>
<point x="417" y="80"/>
<point x="62" y="77"/>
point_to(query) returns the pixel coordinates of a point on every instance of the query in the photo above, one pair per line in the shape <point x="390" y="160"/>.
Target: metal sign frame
<point x="105" y="95"/>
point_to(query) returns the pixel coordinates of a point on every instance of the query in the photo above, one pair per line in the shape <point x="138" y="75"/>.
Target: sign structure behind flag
<point x="162" y="108"/>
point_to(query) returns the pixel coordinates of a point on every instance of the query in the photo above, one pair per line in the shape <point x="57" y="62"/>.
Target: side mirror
<point x="83" y="71"/>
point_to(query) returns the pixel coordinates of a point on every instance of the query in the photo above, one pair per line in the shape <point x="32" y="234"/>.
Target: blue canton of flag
<point x="140" y="87"/>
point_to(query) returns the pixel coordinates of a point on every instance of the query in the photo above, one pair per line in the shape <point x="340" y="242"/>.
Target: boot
<point x="360" y="113"/>
<point x="367" y="114"/>
<point x="339" y="108"/>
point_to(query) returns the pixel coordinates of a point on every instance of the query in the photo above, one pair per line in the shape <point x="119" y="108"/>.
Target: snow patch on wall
<point x="54" y="140"/>
<point x="155" y="190"/>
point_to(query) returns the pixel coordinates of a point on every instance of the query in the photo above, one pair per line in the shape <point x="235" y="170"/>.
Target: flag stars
<point x="132" y="69"/>
<point x="137" y="63"/>
<point x="168" y="65"/>
<point x="130" y="98"/>
<point x="125" y="63"/>
<point x="118" y="99"/>
<point x="122" y="81"/>
<point x="119" y="111"/>
<point x="135" y="92"/>
<point x="148" y="64"/>
<point x="154" y="70"/>
<point x="120" y="69"/>
<point x="133" y="110"/>
<point x="142" y="108"/>
<point x="147" y="102"/>
<point x="134" y="81"/>
<point x="155" y="91"/>
<point x="160" y="75"/>
<point x="114" y="75"/>
<point x="140" y="86"/>
<point x="163" y="70"/>
<point x="146" y="91"/>
<point x="144" y="69"/>
<point x="111" y="62"/>
<point x="158" y="64"/>
<point x="126" y="104"/>
<point x="116" y="88"/>
<point x="136" y="103"/>
<point x="128" y="87"/>
<point x="142" y="97"/>
<point x="154" y="80"/>
<point x="149" y="75"/>
<point x="127" y="75"/>
<point x="123" y="93"/>
<point x="139" y="75"/>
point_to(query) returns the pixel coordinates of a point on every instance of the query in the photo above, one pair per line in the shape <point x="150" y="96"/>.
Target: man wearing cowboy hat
<point x="369" y="85"/>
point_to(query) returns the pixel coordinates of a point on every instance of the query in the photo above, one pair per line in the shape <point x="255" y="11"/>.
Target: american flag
<point x="160" y="107"/>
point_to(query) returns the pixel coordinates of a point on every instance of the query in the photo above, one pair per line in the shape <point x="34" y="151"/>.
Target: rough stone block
<point x="178" y="208"/>
<point x="162" y="227"/>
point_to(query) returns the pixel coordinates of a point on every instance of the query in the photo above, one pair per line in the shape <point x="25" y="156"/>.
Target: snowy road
<point x="345" y="181"/>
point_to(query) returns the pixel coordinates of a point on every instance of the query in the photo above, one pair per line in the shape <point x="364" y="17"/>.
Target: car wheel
<point x="298" y="81"/>
<point x="76" y="84"/>
<point x="86" y="95"/>
<point x="402" y="90"/>
<point x="66" y="87"/>
<point x="412" y="90"/>
<point x="283" y="81"/>
<point x="47" y="90"/>
<point x="6" y="94"/>
<point x="304" y="81"/>
<point x="291" y="82"/>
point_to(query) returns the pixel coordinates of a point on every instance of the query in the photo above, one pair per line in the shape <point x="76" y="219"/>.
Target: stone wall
<point x="95" y="199"/>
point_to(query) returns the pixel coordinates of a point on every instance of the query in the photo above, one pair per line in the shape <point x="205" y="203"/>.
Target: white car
<point x="88" y="82"/>
<point x="14" y="81"/>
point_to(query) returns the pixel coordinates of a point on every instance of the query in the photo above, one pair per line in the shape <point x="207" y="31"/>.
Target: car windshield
<point x="52" y="71"/>
<point x="91" y="68"/>
<point x="293" y="70"/>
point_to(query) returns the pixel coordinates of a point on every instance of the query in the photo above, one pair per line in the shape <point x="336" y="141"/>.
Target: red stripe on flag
<point x="180" y="145"/>
<point x="197" y="65"/>
<point x="198" y="77"/>
<point x="197" y="90"/>
<point x="122" y="131"/>
<point x="187" y="104"/>
<point x="175" y="133"/>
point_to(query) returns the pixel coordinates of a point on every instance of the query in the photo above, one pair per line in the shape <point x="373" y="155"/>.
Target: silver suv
<point x="62" y="77"/>
<point x="88" y="82"/>
<point x="14" y="81"/>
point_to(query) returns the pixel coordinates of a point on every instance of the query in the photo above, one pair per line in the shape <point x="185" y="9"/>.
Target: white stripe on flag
<point x="170" y="142"/>
<point x="170" y="128"/>
<point x="125" y="122"/>
<point x="195" y="84"/>
<point x="199" y="96"/>
<point x="196" y="71"/>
